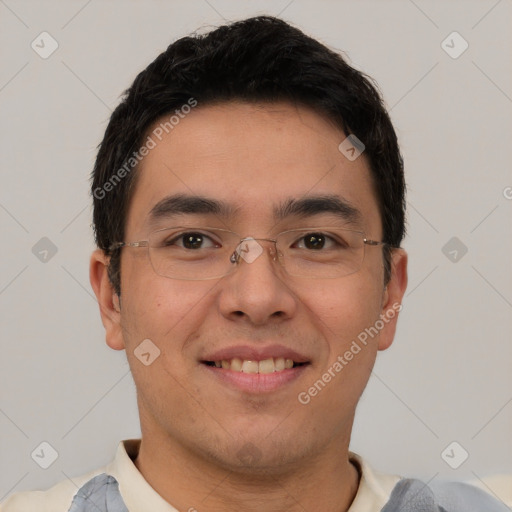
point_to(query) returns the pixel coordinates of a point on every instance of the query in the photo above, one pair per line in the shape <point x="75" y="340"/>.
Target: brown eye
<point x="193" y="240"/>
<point x="320" y="242"/>
<point x="314" y="241"/>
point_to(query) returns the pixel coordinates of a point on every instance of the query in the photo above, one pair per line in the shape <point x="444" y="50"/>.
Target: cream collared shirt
<point x="375" y="490"/>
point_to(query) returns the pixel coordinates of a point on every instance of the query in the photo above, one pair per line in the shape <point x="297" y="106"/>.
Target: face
<point x="252" y="159"/>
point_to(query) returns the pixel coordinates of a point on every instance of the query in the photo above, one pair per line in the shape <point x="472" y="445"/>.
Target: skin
<point x="194" y="428"/>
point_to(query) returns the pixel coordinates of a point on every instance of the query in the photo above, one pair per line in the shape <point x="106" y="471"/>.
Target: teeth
<point x="250" y="366"/>
<point x="269" y="365"/>
<point x="266" y="366"/>
<point x="236" y="364"/>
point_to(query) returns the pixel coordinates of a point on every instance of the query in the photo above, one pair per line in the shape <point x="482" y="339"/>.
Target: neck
<point x="188" y="481"/>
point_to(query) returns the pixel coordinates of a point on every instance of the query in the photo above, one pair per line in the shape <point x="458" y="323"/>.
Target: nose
<point x="256" y="292"/>
<point x="249" y="249"/>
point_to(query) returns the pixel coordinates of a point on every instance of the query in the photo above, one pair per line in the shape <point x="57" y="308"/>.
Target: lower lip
<point x="256" y="382"/>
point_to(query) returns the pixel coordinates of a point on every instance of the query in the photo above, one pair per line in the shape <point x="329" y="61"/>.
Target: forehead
<point x="254" y="158"/>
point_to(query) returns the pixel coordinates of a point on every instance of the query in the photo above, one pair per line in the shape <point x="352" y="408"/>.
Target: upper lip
<point x="251" y="353"/>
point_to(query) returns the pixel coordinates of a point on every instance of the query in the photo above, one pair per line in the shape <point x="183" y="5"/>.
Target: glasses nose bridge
<point x="273" y="240"/>
<point x="244" y="252"/>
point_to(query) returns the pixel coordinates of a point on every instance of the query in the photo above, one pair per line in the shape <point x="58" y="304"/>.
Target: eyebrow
<point x="314" y="205"/>
<point x="183" y="204"/>
<point x="180" y="204"/>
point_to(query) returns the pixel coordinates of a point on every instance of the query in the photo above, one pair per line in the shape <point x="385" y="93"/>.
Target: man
<point x="248" y="210"/>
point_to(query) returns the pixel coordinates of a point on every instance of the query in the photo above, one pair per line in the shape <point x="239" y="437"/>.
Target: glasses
<point x="191" y="253"/>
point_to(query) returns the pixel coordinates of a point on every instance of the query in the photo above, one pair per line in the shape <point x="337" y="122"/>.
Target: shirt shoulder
<point x="443" y="496"/>
<point x="382" y="492"/>
<point x="374" y="488"/>
<point x="55" y="499"/>
<point x="500" y="485"/>
<point x="117" y="487"/>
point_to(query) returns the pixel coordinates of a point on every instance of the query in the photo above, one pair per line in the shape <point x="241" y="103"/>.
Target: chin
<point x="258" y="457"/>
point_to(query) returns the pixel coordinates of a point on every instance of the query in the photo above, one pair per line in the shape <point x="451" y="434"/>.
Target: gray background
<point x="448" y="375"/>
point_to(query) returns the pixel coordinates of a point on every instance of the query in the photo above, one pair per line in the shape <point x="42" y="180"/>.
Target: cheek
<point x="165" y="312"/>
<point x="342" y="308"/>
<point x="341" y="312"/>
<point x="154" y="306"/>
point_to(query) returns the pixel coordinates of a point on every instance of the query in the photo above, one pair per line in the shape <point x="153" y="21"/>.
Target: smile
<point x="269" y="365"/>
<point x="253" y="376"/>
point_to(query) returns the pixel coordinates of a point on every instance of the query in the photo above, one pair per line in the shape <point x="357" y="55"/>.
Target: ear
<point x="107" y="299"/>
<point x="392" y="297"/>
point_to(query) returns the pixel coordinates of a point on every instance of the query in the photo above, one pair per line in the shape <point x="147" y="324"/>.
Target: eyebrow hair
<point x="314" y="205"/>
<point x="180" y="204"/>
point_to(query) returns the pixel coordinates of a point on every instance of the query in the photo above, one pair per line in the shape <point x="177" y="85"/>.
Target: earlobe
<point x="108" y="301"/>
<point x="392" y="298"/>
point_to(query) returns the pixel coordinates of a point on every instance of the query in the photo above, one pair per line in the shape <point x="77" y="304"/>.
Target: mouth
<point x="255" y="372"/>
<point x="252" y="366"/>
